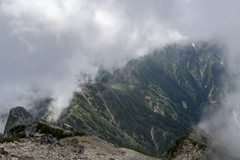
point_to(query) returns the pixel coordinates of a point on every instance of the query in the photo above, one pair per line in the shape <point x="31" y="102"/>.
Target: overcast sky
<point x="46" y="44"/>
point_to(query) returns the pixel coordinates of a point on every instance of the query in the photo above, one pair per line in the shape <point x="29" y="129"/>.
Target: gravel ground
<point x="73" y="148"/>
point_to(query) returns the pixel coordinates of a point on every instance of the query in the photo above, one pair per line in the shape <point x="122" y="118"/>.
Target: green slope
<point x="152" y="101"/>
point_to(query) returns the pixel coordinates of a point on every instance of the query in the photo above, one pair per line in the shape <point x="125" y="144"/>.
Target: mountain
<point x="153" y="100"/>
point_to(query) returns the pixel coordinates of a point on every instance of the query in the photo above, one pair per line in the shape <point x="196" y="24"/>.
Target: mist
<point x="224" y="126"/>
<point x="47" y="46"/>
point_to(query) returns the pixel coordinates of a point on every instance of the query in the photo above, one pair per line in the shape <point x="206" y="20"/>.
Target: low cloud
<point x="47" y="45"/>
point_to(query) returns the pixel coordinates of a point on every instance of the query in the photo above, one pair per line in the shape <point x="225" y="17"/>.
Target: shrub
<point x="55" y="132"/>
<point x="141" y="152"/>
<point x="202" y="146"/>
<point x="21" y="135"/>
<point x="186" y="135"/>
<point x="79" y="133"/>
<point x="172" y="150"/>
<point x="17" y="129"/>
<point x="9" y="139"/>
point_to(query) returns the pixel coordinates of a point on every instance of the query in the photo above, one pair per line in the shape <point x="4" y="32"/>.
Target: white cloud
<point x="50" y="42"/>
<point x="47" y="44"/>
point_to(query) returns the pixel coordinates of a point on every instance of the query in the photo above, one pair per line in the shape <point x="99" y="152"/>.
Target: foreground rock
<point x="38" y="141"/>
<point x="86" y="147"/>
<point x="30" y="138"/>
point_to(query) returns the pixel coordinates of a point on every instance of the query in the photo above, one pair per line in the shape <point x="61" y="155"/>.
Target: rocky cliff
<point x="198" y="144"/>
<point x="19" y="116"/>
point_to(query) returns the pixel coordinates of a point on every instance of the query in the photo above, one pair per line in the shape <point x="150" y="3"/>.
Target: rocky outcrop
<point x="39" y="140"/>
<point x="19" y="116"/>
<point x="38" y="145"/>
<point x="72" y="148"/>
<point x="198" y="144"/>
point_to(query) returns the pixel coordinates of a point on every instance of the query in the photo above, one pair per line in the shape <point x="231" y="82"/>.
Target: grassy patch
<point x="17" y="129"/>
<point x="9" y="139"/>
<point x="21" y="135"/>
<point x="202" y="146"/>
<point x="171" y="150"/>
<point x="187" y="134"/>
<point x="141" y="152"/>
<point x="55" y="132"/>
<point x="79" y="134"/>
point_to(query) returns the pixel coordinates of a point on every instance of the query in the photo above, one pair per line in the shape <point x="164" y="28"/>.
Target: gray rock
<point x="46" y="139"/>
<point x="74" y="141"/>
<point x="17" y="156"/>
<point x="68" y="134"/>
<point x="63" y="155"/>
<point x="60" y="144"/>
<point x="19" y="116"/>
<point x="81" y="149"/>
<point x="31" y="130"/>
<point x="38" y="135"/>
<point x="3" y="151"/>
<point x="26" y="158"/>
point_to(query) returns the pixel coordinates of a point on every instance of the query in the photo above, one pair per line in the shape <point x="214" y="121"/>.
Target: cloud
<point x="47" y="45"/>
<point x="224" y="126"/>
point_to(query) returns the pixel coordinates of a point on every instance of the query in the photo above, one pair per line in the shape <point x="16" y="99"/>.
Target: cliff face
<point x="198" y="144"/>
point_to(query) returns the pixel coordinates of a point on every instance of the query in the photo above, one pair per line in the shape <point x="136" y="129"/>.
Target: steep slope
<point x="152" y="101"/>
<point x="122" y="117"/>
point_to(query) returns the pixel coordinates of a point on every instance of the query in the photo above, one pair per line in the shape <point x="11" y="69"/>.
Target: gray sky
<point x="46" y="44"/>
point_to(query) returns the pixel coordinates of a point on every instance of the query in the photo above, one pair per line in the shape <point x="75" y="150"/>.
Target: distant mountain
<point x="153" y="100"/>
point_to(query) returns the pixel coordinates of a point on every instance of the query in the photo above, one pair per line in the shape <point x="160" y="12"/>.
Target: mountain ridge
<point x="163" y="93"/>
<point x="150" y="102"/>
